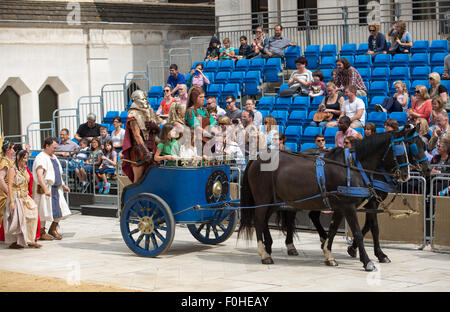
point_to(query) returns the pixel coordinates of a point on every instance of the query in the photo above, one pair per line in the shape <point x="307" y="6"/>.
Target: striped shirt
<point x="353" y="78"/>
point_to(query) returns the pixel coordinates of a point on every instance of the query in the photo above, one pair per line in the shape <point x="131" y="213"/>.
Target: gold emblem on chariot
<point x="146" y="225"/>
<point x="217" y="187"/>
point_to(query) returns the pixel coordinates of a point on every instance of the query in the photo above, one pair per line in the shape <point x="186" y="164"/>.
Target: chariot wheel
<point x="216" y="231"/>
<point x="147" y="225"/>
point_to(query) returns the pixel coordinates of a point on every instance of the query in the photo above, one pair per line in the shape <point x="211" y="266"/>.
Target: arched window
<point x="10" y="108"/>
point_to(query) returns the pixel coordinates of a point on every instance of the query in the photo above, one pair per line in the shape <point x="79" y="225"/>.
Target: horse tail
<point x="247" y="214"/>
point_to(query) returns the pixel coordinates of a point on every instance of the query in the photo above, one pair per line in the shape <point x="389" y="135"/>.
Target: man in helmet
<point x="139" y="143"/>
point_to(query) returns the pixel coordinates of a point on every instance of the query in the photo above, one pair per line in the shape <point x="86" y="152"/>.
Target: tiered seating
<point x="292" y="53"/>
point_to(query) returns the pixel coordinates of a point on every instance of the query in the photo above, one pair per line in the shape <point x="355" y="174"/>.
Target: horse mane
<point x="365" y="147"/>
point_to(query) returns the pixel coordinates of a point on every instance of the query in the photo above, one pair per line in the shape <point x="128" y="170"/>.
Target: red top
<point x="424" y="111"/>
<point x="166" y="106"/>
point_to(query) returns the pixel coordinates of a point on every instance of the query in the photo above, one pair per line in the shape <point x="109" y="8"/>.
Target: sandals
<point x="15" y="246"/>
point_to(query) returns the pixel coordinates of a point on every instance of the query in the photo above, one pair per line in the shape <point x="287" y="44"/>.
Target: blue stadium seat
<point x="381" y="73"/>
<point x="293" y="133"/>
<point x="257" y="64"/>
<point x="364" y="72"/>
<point x="329" y="50"/>
<point x="231" y="89"/>
<point x="382" y="60"/>
<point x="349" y="58"/>
<point x="266" y="102"/>
<point x="419" y="59"/>
<point x="297" y="118"/>
<point x="420" y="46"/>
<point x="281" y="117"/>
<point x="438" y="69"/>
<point x="273" y="70"/>
<point x="309" y="134"/>
<point x="327" y="75"/>
<point x="315" y="102"/>
<point x="300" y="103"/>
<point x="400" y="60"/>
<point x="378" y="118"/>
<point x="376" y="100"/>
<point x="312" y="54"/>
<point x="379" y="88"/>
<point x="123" y="116"/>
<point x="328" y="62"/>
<point x="237" y="77"/>
<point x="416" y="83"/>
<point x="110" y="115"/>
<point x="420" y="72"/>
<point x="330" y="134"/>
<point x="360" y="130"/>
<point x="292" y="146"/>
<point x="401" y="117"/>
<point x="446" y="84"/>
<point x="210" y="76"/>
<point x="364" y="99"/>
<point x="439" y="46"/>
<point x="282" y="103"/>
<point x="153" y="102"/>
<point x="348" y="49"/>
<point x="156" y="91"/>
<point x="226" y="66"/>
<point x="381" y="130"/>
<point x="292" y="53"/>
<point x="212" y="67"/>
<point x="282" y="87"/>
<point x="437" y="59"/>
<point x="362" y="48"/>
<point x="307" y="146"/>
<point x="400" y="73"/>
<point x="222" y="78"/>
<point x="214" y="89"/>
<point x="264" y="113"/>
<point x="242" y="65"/>
<point x="252" y="83"/>
<point x="310" y="118"/>
<point x="363" y="61"/>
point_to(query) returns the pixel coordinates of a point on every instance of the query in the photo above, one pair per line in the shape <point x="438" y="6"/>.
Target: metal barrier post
<point x="183" y="52"/>
<point x="45" y="129"/>
<point x="17" y="139"/>
<point x="444" y="181"/>
<point x="135" y="81"/>
<point x="113" y="99"/>
<point x="158" y="78"/>
<point x="70" y="122"/>
<point x="90" y="104"/>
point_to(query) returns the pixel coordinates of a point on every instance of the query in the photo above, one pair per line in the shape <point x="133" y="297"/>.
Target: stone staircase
<point x="95" y="205"/>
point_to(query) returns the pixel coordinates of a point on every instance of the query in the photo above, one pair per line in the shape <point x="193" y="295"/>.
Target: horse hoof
<point x="351" y="251"/>
<point x="331" y="262"/>
<point x="267" y="261"/>
<point x="384" y="259"/>
<point x="292" y="252"/>
<point x="370" y="267"/>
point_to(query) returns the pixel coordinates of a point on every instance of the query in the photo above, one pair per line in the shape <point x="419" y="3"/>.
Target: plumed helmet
<point x="139" y="98"/>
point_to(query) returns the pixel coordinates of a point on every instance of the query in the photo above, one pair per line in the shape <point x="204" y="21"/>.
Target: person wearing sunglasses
<point x="164" y="107"/>
<point x="232" y="111"/>
<point x="421" y="105"/>
<point x="259" y="42"/>
<point x="377" y="41"/>
<point x="437" y="89"/>
<point x="319" y="140"/>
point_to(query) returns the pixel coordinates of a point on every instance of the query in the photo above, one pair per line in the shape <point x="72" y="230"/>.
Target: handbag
<point x="322" y="116"/>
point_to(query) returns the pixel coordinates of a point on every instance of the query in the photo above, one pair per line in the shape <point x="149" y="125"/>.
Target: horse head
<point x="416" y="150"/>
<point x="396" y="158"/>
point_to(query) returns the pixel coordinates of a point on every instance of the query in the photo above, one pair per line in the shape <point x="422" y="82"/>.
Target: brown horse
<point x="294" y="182"/>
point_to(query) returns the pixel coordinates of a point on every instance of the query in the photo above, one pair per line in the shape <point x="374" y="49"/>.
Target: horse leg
<point x="290" y="228"/>
<point x="314" y="215"/>
<point x="327" y="244"/>
<point x="350" y="216"/>
<point x="260" y="225"/>
<point x="266" y="233"/>
<point x="382" y="257"/>
<point x="351" y="250"/>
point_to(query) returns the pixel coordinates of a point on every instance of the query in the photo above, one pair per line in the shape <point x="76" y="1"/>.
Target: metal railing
<point x="37" y="132"/>
<point x="439" y="183"/>
<point x="90" y="104"/>
<point x="134" y="81"/>
<point x="158" y="72"/>
<point x="427" y="20"/>
<point x="182" y="57"/>
<point x="112" y="95"/>
<point x="65" y="118"/>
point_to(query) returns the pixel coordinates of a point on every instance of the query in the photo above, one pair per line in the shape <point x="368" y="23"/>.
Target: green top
<point x="173" y="148"/>
<point x="193" y="120"/>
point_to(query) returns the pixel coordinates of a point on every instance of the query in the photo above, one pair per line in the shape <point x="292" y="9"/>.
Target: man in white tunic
<point x="48" y="189"/>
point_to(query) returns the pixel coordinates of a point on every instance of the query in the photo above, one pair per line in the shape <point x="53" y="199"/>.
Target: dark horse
<point x="294" y="182"/>
<point x="417" y="158"/>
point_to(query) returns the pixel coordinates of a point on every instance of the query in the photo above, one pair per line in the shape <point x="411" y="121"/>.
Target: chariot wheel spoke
<point x="155" y="243"/>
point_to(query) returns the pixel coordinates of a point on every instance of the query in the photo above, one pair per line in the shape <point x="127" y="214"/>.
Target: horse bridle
<point x="414" y="150"/>
<point x="398" y="149"/>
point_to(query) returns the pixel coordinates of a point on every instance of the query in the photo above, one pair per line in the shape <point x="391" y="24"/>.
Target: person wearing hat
<point x="88" y="130"/>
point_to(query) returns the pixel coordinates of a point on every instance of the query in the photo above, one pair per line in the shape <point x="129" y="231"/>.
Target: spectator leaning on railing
<point x="276" y="44"/>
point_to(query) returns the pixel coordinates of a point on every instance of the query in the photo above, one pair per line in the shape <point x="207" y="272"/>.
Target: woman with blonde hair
<point x="402" y="40"/>
<point x="437" y="106"/>
<point x="421" y="106"/>
<point x="377" y="41"/>
<point x="227" y="52"/>
<point x="270" y="130"/>
<point x="436" y="89"/>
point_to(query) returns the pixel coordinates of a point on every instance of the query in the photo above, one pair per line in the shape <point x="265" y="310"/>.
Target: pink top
<point x="424" y="111"/>
<point x="340" y="136"/>
<point x="199" y="80"/>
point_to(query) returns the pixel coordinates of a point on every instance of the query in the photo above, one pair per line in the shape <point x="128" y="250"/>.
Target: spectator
<point x="390" y="125"/>
<point x="441" y="161"/>
<point x="197" y="78"/>
<point x="164" y="106"/>
<point x="254" y="139"/>
<point x="319" y="140"/>
<point x="442" y="131"/>
<point x="402" y="40"/>
<point x="118" y="134"/>
<point x="300" y="80"/>
<point x="436" y="89"/>
<point x="48" y="193"/>
<point x="169" y="147"/>
<point x="257" y="116"/>
<point x="109" y="161"/>
<point x="424" y="131"/>
<point x="332" y="103"/>
<point x="369" y="129"/>
<point x="446" y="75"/>
<point x="211" y="101"/>
<point x="437" y="106"/>
<point x="334" y="75"/>
<point x="103" y="136"/>
<point x="213" y="51"/>
<point x="177" y="114"/>
<point x="421" y="106"/>
<point x="212" y="111"/>
<point x="354" y="108"/>
<point x="232" y="111"/>
<point x="348" y="75"/>
<point x="282" y="142"/>
<point x="227" y="52"/>
<point x="245" y="50"/>
<point x="259" y="43"/>
<point x="176" y="79"/>
<point x="66" y="147"/>
<point x="377" y="41"/>
<point x="349" y="141"/>
<point x="277" y="43"/>
<point x="197" y="117"/>
<point x="396" y="103"/>
<point x="270" y="130"/>
<point x="317" y="86"/>
<point x="345" y="131"/>
<point x="182" y="94"/>
<point x="88" y="130"/>
<point x="92" y="164"/>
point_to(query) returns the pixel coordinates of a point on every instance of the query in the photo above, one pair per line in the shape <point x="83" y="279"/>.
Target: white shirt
<point x="306" y="76"/>
<point x="220" y="111"/>
<point x="117" y="140"/>
<point x="350" y="109"/>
